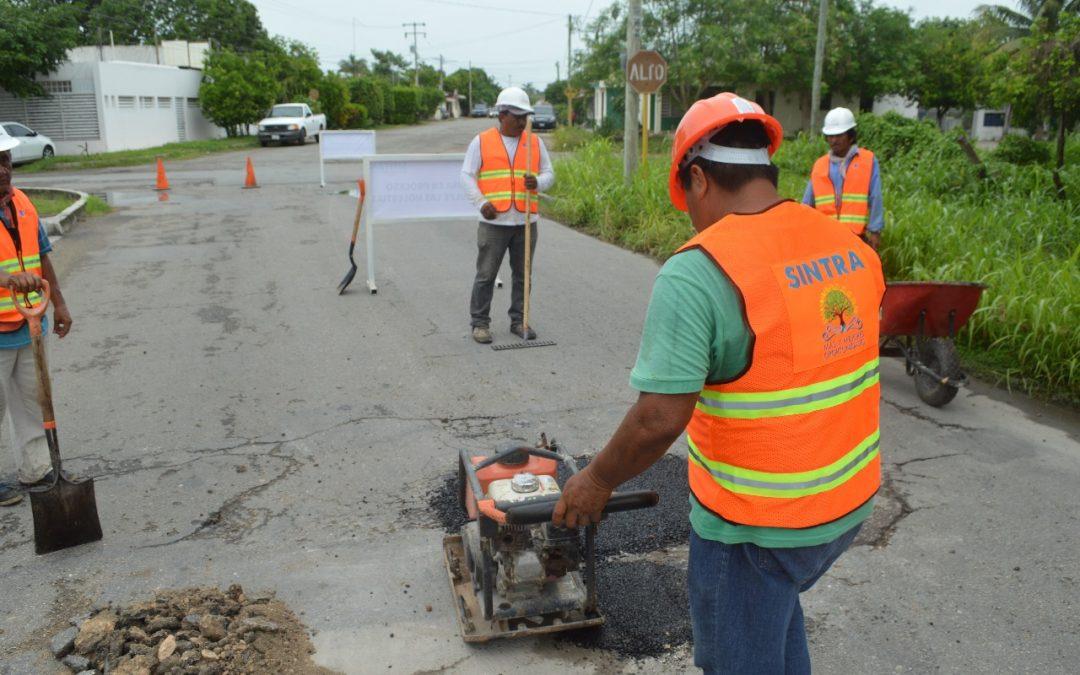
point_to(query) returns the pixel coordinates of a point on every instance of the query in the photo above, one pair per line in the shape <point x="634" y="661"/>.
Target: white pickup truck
<point x="290" y="122"/>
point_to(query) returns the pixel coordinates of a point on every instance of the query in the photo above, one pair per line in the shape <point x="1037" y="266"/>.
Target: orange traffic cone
<point x="249" y="181"/>
<point x="162" y="180"/>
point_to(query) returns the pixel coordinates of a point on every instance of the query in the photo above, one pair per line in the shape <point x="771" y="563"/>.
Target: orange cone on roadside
<point x="249" y="181"/>
<point x="162" y="180"/>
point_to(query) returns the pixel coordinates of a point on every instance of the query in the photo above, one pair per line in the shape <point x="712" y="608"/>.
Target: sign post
<point x="344" y="145"/>
<point x="646" y="72"/>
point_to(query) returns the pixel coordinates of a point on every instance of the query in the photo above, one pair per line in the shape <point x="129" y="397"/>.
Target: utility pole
<point x="819" y="58"/>
<point x="470" y="86"/>
<point x="354" y="45"/>
<point x="440" y="71"/>
<point x="557" y="76"/>
<point x="569" y="65"/>
<point x="416" y="54"/>
<point x="631" y="105"/>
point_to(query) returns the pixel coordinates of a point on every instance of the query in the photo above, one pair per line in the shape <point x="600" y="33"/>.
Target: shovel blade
<point x="347" y="280"/>
<point x="65" y="515"/>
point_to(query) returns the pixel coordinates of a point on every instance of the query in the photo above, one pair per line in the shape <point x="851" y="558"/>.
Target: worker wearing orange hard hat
<point x="761" y="343"/>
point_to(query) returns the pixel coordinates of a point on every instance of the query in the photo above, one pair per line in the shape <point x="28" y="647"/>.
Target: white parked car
<point x="32" y="145"/>
<point x="290" y="123"/>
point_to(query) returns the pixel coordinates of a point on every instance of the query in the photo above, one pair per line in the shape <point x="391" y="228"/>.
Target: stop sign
<point x="646" y="71"/>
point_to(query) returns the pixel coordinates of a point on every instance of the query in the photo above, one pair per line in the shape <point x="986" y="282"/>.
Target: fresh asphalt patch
<point x="644" y="601"/>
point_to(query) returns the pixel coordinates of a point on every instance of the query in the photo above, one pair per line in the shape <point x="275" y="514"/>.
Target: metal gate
<point x="62" y="117"/>
<point x="181" y="118"/>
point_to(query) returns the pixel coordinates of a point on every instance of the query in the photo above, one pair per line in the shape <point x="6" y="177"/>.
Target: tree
<point x="34" y="38"/>
<point x="353" y="66"/>
<point x="333" y="100"/>
<point x="1018" y="23"/>
<point x="233" y="24"/>
<point x="1044" y="76"/>
<point x="876" y="52"/>
<point x="236" y="90"/>
<point x="947" y="66"/>
<point x="388" y="65"/>
<point x="484" y="88"/>
<point x="125" y="22"/>
<point x="837" y="305"/>
<point x="294" y="67"/>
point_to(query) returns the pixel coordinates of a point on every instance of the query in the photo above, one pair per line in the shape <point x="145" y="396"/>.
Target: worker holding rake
<point x="504" y="169"/>
<point x="761" y="343"/>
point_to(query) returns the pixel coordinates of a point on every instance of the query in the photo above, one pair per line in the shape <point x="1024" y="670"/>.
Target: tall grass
<point x="943" y="222"/>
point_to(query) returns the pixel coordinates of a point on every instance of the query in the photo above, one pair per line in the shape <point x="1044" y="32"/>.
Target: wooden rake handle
<point x="528" y="226"/>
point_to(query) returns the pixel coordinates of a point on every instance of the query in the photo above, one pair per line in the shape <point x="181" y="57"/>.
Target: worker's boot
<point x="481" y="334"/>
<point x="519" y="330"/>
<point x="9" y="495"/>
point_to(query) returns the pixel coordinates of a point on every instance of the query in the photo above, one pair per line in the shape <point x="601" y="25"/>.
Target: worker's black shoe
<point x="9" y="495"/>
<point x="481" y="334"/>
<point x="517" y="329"/>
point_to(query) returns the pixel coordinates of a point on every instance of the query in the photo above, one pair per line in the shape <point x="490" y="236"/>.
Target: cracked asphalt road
<point x="246" y="424"/>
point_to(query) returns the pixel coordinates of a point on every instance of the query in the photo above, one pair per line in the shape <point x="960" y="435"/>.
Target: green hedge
<point x="369" y="92"/>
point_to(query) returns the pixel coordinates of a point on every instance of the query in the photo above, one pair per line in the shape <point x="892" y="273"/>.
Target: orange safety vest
<point x="792" y="441"/>
<point x="13" y="260"/>
<point x="853" y="208"/>
<point x="501" y="179"/>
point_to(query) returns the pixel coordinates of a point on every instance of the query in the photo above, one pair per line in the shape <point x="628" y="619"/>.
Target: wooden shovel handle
<point x="33" y="314"/>
<point x="359" y="209"/>
<point x="528" y="227"/>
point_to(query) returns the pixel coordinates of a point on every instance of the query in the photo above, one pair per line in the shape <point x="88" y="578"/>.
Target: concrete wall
<point x="179" y="53"/>
<point x="897" y="104"/>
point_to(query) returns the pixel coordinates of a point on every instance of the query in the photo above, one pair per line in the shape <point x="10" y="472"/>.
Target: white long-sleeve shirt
<point x="470" y="169"/>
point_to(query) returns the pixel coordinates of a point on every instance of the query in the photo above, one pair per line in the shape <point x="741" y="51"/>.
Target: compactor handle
<point x="541" y="510"/>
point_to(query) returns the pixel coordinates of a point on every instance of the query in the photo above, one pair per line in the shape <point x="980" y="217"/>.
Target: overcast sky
<point x="516" y="41"/>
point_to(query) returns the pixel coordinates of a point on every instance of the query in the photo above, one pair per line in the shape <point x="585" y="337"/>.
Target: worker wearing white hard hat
<point x="24" y="262"/>
<point x="502" y="165"/>
<point x="846" y="183"/>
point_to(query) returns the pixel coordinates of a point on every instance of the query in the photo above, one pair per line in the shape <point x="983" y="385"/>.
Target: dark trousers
<point x="744" y="604"/>
<point x="492" y="241"/>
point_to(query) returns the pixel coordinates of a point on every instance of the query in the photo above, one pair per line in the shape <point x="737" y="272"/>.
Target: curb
<point x="55" y="225"/>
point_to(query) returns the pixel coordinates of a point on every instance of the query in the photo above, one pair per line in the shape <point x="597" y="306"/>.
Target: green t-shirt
<point x="695" y="333"/>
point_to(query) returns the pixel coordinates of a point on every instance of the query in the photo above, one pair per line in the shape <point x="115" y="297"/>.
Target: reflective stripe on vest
<point x="502" y="179"/>
<point x="854" y="207"/>
<point x="789" y="401"/>
<point x="27" y="218"/>
<point x="789" y="485"/>
<point x="793" y="441"/>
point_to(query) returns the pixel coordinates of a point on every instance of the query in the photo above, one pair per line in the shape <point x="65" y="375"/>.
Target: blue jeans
<point x="744" y="603"/>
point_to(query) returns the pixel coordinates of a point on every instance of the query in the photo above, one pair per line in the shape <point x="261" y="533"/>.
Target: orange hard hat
<point x="703" y="120"/>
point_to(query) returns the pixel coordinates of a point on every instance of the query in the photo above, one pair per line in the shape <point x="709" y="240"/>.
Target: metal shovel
<point x="65" y="511"/>
<point x="352" y="243"/>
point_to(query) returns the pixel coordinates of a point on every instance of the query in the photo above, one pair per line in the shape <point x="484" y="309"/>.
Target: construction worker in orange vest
<point x="496" y="175"/>
<point x="846" y="183"/>
<point x="761" y="343"/>
<point x="24" y="261"/>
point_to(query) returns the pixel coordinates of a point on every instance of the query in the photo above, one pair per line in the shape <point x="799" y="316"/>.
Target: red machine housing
<point x="538" y="466"/>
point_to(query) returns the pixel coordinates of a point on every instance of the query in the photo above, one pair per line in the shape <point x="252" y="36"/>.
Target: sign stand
<point x="343" y="145"/>
<point x="410" y="189"/>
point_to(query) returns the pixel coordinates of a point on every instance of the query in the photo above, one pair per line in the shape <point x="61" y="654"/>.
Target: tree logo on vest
<point x="843" y="332"/>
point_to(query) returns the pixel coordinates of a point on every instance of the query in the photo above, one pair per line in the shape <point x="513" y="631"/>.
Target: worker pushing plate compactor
<point x="512" y="571"/>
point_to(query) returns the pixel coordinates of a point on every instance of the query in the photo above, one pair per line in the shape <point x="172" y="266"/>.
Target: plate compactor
<point x="512" y="571"/>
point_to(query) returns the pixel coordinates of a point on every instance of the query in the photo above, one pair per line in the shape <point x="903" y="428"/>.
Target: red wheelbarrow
<point x="919" y="320"/>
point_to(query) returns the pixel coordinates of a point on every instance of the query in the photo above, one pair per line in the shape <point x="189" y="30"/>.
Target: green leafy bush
<point x="430" y="100"/>
<point x="1017" y="149"/>
<point x="407" y="105"/>
<point x="367" y="92"/>
<point x="566" y="138"/>
<point x="355" y="116"/>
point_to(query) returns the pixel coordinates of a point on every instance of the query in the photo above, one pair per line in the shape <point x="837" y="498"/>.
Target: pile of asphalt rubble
<point x="644" y="600"/>
<point x="194" y="631"/>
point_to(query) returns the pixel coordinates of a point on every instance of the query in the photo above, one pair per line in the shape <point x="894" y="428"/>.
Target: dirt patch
<point x="193" y="631"/>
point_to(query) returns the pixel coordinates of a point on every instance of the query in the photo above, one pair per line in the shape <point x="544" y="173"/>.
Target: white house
<point x="118" y="98"/>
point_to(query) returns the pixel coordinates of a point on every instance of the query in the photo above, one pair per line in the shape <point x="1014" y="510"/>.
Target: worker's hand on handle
<point x="61" y="320"/>
<point x="873" y="238"/>
<point x="530" y="182"/>
<point x="488" y="211"/>
<point x="21" y="282"/>
<point x="582" y="502"/>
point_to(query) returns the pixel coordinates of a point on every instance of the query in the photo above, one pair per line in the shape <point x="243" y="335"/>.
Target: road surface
<point x="248" y="425"/>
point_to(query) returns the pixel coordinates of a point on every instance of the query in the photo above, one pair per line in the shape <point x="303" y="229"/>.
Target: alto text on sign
<point x="646" y="71"/>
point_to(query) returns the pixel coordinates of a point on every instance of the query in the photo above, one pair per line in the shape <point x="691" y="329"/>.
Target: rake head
<point x="524" y="344"/>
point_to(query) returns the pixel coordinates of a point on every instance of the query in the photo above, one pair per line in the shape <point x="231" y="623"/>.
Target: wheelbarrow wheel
<point x="938" y="355"/>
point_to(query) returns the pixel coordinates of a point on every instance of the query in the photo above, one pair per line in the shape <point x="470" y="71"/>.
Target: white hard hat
<point x="837" y="121"/>
<point x="513" y="98"/>
<point x="7" y="142"/>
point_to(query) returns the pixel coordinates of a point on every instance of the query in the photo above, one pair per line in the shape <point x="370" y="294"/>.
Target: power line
<point x="493" y="8"/>
<point x="481" y="38"/>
